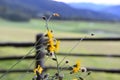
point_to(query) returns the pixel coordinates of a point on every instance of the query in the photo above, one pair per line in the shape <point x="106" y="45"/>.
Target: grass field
<point x="26" y="31"/>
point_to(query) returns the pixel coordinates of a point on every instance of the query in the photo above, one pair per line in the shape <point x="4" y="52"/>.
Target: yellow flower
<point x="51" y="42"/>
<point x="57" y="45"/>
<point x="76" y="68"/>
<point x="56" y="14"/>
<point x="51" y="48"/>
<point x="78" y="64"/>
<point x="39" y="69"/>
<point x="49" y="34"/>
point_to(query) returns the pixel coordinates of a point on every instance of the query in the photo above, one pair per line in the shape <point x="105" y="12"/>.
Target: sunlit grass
<point x="91" y="47"/>
<point x="26" y="32"/>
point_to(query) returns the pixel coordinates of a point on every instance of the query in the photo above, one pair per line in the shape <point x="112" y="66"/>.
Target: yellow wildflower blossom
<point x="39" y="69"/>
<point x="76" y="68"/>
<point x="51" y="42"/>
<point x="51" y="48"/>
<point x="78" y="64"/>
<point x="52" y="45"/>
<point x="49" y="34"/>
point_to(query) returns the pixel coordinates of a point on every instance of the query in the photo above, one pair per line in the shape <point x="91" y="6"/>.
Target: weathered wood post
<point x="40" y="53"/>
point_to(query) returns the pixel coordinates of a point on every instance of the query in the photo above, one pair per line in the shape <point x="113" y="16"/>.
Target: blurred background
<point x="21" y="21"/>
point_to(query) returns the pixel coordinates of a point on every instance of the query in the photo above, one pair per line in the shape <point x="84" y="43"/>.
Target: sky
<point x="111" y="2"/>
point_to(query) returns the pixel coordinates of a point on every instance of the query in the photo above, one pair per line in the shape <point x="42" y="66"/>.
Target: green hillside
<point x="23" y="10"/>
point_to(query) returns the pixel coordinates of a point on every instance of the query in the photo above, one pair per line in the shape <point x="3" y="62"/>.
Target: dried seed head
<point x="56" y="14"/>
<point x="43" y="17"/>
<point x="83" y="69"/>
<point x="66" y="61"/>
<point x="92" y="34"/>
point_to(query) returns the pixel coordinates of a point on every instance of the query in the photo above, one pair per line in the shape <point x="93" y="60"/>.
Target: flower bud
<point x="66" y="62"/>
<point x="43" y="17"/>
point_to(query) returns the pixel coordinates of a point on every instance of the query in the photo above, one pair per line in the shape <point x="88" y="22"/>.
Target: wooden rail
<point x="39" y="56"/>
<point x="65" y="68"/>
<point x="29" y="44"/>
<point x="63" y="54"/>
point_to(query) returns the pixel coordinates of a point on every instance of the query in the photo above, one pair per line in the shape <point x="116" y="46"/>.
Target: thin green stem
<point x="46" y="21"/>
<point x="72" y="49"/>
<point x="57" y="64"/>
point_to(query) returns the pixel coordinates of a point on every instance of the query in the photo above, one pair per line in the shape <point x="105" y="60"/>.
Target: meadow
<point x="26" y="32"/>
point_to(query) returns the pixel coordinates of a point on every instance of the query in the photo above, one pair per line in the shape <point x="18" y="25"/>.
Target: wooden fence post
<point x="40" y="53"/>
